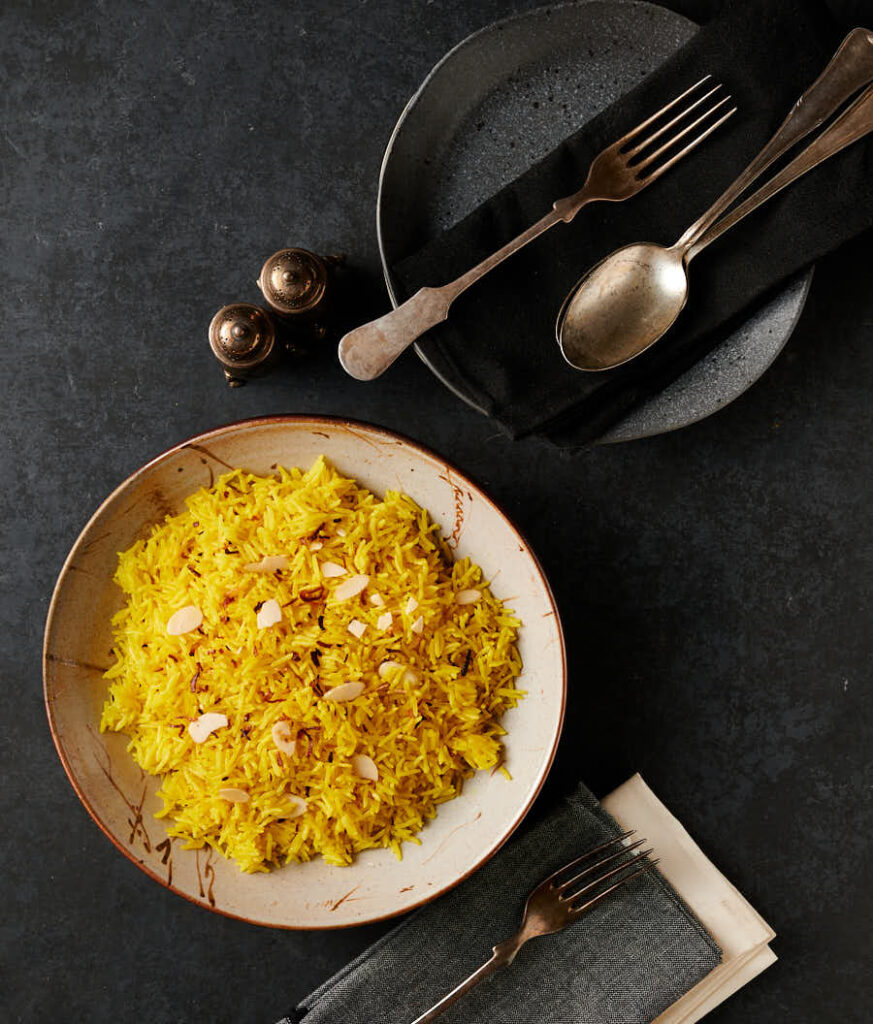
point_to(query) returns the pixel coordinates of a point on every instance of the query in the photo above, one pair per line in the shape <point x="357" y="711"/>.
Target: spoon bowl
<point x="622" y="306"/>
<point x="627" y="302"/>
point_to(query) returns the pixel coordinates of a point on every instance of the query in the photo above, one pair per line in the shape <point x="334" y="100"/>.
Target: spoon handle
<point x="849" y="69"/>
<point x="854" y="123"/>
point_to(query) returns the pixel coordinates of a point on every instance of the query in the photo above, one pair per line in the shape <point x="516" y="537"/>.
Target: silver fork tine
<point x="658" y="171"/>
<point x="585" y="856"/>
<point x="659" y="113"/>
<point x="606" y="860"/>
<point x="577" y="911"/>
<point x="609" y="874"/>
<point x="675" y="120"/>
<point x="650" y="159"/>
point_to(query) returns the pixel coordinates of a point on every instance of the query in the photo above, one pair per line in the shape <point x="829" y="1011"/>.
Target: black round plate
<point x="500" y="101"/>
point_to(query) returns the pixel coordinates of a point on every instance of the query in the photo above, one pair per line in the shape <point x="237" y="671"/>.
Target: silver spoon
<point x="630" y="299"/>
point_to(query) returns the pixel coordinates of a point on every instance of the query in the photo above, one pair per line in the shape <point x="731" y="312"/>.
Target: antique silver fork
<point x="558" y="901"/>
<point x="619" y="172"/>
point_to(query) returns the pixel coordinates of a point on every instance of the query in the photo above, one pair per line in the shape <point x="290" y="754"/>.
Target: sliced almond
<point x="384" y="621"/>
<point x="365" y="767"/>
<point x="283" y="738"/>
<point x="269" y="564"/>
<point x="269" y="614"/>
<point x="330" y="570"/>
<point x="357" y="628"/>
<point x="411" y="605"/>
<point x="340" y="532"/>
<point x="316" y="545"/>
<point x="297" y="806"/>
<point x="418" y="625"/>
<point x="467" y="596"/>
<point x="345" y="691"/>
<point x="202" y="728"/>
<point x="234" y="795"/>
<point x="184" y="620"/>
<point x="387" y="668"/>
<point x="376" y="600"/>
<point x="350" y="588"/>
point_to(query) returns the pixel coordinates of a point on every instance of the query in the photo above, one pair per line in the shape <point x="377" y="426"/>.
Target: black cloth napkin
<point x="624" y="962"/>
<point x="498" y="345"/>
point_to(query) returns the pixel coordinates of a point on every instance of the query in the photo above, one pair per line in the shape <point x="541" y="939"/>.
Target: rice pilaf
<point x="306" y="667"/>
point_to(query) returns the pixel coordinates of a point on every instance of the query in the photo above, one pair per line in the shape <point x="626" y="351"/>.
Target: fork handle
<point x="366" y="352"/>
<point x="439" y="1008"/>
<point x="850" y="68"/>
<point x="504" y="953"/>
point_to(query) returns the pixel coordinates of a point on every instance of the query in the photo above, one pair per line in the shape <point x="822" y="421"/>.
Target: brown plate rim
<point x="316" y="421"/>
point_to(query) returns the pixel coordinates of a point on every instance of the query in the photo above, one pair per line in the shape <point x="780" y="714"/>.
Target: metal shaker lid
<point x="293" y="281"/>
<point x="242" y="337"/>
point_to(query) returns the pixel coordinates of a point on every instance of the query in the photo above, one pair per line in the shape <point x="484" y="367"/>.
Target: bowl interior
<point x="122" y="799"/>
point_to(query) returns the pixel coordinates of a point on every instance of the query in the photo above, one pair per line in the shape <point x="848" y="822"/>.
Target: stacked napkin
<point x="668" y="946"/>
<point x="498" y="346"/>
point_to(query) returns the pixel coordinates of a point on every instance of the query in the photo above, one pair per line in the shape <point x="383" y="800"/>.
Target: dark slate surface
<point x="716" y="584"/>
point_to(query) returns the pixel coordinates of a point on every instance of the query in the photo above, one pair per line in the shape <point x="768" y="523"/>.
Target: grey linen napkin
<point x="625" y="962"/>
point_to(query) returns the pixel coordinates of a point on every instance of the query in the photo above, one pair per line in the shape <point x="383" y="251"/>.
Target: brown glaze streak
<point x="458" y="497"/>
<point x="72" y="663"/>
<point x="360" y="436"/>
<point x="167" y="857"/>
<point x="85" y="572"/>
<point x="210" y="455"/>
<point x="87" y="547"/>
<point x="457" y="828"/>
<point x="156" y="498"/>
<point x="208" y="873"/>
<point x="137" y="825"/>
<point x="159" y="500"/>
<point x="342" y="899"/>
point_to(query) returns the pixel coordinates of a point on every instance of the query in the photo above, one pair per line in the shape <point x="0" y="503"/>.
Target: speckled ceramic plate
<point x="122" y="799"/>
<point x="505" y="97"/>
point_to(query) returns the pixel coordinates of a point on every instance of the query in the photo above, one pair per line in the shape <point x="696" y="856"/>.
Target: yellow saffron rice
<point x="437" y="661"/>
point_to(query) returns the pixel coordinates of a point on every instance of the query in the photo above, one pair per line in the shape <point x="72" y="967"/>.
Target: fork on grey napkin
<point x="625" y="962"/>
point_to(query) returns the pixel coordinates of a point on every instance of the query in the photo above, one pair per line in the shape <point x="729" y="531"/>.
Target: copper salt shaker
<point x="296" y="285"/>
<point x="243" y="339"/>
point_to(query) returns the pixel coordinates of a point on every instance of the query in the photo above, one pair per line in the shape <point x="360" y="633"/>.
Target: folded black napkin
<point x="498" y="345"/>
<point x="624" y="962"/>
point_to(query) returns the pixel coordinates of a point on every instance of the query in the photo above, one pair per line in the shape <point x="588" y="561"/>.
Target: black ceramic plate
<point x="501" y="100"/>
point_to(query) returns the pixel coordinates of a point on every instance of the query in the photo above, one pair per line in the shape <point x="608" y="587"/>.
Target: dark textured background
<point x="715" y="583"/>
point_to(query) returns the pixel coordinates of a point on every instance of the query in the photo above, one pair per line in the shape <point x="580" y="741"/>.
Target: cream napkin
<point x="739" y="930"/>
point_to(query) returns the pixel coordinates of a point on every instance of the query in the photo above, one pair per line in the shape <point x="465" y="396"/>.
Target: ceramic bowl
<point x="122" y="799"/>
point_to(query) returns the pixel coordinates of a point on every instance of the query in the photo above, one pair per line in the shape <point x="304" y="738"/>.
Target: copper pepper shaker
<point x="296" y="285"/>
<point x="243" y="339"/>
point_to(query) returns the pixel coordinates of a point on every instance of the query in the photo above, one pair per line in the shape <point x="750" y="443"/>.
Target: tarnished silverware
<point x="619" y="172"/>
<point x="557" y="902"/>
<point x="629" y="300"/>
